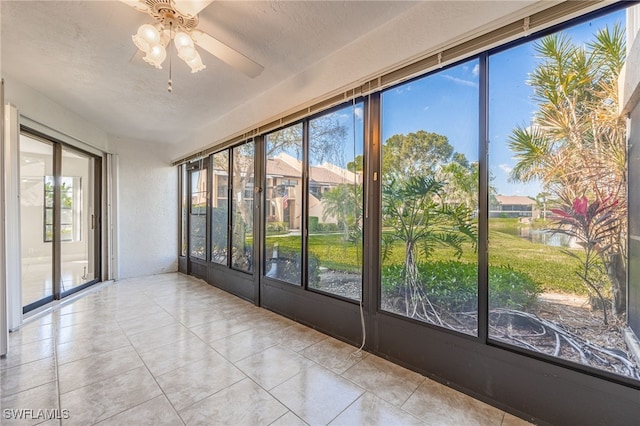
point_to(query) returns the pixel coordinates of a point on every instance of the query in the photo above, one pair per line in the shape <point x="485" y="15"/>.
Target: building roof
<point x="517" y="200"/>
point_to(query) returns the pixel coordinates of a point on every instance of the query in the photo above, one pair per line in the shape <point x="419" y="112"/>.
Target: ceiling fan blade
<point x="227" y="54"/>
<point x="191" y="7"/>
<point x="137" y="5"/>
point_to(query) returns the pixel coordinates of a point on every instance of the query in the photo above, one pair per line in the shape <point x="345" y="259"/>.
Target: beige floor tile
<point x="511" y="420"/>
<point x="101" y="400"/>
<point x="271" y="323"/>
<point x="243" y="344"/>
<point x="157" y="411"/>
<point x="212" y="331"/>
<point x="159" y="337"/>
<point x="298" y="337"/>
<point x="289" y="419"/>
<point x="244" y="403"/>
<point x="27" y="376"/>
<point x="317" y="395"/>
<point x="82" y="348"/>
<point x="146" y="323"/>
<point x="438" y="404"/>
<point x="85" y="371"/>
<point x="273" y="366"/>
<point x="372" y="410"/>
<point x="389" y="381"/>
<point x="31" y="333"/>
<point x="44" y="397"/>
<point x="333" y="354"/>
<point x="174" y="355"/>
<point x="194" y="382"/>
<point x="138" y="311"/>
<point x="86" y="330"/>
<point x="27" y="353"/>
<point x="191" y="318"/>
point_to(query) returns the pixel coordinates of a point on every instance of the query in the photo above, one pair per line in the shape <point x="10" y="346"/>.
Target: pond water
<point x="541" y="236"/>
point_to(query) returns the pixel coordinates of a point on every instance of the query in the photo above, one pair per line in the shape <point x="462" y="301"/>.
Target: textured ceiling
<point x="79" y="54"/>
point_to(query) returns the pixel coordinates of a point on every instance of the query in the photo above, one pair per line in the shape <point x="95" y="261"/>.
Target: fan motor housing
<point x="165" y="12"/>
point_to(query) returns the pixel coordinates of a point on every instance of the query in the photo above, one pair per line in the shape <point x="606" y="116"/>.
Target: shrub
<point x="276" y="228"/>
<point x="313" y="224"/>
<point x="452" y="286"/>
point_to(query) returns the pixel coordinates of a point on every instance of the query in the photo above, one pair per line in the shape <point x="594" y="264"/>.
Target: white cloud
<point x="476" y="70"/>
<point x="505" y="168"/>
<point x="461" y="81"/>
<point x="358" y="113"/>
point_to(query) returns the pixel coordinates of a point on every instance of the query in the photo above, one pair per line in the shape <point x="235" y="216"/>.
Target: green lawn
<point x="546" y="265"/>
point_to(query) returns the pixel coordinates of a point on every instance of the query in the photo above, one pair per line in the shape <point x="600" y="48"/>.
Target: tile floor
<point x="170" y="349"/>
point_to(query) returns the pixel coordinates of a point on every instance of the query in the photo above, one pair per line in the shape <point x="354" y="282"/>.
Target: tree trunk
<point x="617" y="273"/>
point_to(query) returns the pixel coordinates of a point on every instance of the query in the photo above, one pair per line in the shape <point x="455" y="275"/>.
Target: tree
<point x="419" y="153"/>
<point x="576" y="145"/>
<point x="344" y="203"/>
<point x="412" y="207"/>
<point x="594" y="225"/>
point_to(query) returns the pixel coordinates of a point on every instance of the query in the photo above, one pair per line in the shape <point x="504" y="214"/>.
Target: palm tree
<point x="344" y="203"/>
<point x="576" y="145"/>
<point x="413" y="207"/>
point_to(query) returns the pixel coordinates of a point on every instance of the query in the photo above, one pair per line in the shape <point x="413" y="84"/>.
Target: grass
<point x="546" y="265"/>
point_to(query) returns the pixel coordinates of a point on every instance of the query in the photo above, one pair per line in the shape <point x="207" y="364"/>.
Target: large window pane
<point x="557" y="226"/>
<point x="242" y="208"/>
<point x="335" y="202"/>
<point x="198" y="215"/>
<point x="283" y="206"/>
<point x="430" y="198"/>
<point x="220" y="207"/>
<point x="36" y="206"/>
<point x="77" y="217"/>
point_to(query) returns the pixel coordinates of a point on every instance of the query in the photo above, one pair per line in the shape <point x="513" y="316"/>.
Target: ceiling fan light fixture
<point x="187" y="53"/>
<point x="156" y="56"/>
<point x="196" y="63"/>
<point x="146" y="37"/>
<point x="182" y="40"/>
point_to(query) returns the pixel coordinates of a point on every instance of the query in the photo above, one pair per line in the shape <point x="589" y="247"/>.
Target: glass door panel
<point x="36" y="220"/>
<point x="283" y="205"/>
<point x="77" y="220"/>
<point x="198" y="214"/>
<point x="242" y="208"/>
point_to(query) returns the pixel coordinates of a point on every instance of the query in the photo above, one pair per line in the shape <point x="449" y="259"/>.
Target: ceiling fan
<point x="176" y="20"/>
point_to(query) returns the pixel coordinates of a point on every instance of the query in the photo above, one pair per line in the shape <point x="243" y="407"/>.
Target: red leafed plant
<point x="594" y="225"/>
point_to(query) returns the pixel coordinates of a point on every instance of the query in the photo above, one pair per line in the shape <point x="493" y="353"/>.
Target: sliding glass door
<point x="36" y="220"/>
<point x="59" y="216"/>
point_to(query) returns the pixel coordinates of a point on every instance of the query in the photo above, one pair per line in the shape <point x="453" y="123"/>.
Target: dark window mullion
<point x="57" y="219"/>
<point x="304" y="258"/>
<point x="483" y="200"/>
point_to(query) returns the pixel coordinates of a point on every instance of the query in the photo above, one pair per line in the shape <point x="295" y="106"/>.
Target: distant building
<point x="514" y="206"/>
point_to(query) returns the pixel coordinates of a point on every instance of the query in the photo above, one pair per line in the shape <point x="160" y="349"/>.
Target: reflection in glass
<point x="430" y="198"/>
<point x="77" y="223"/>
<point x="283" y="205"/>
<point x="36" y="206"/>
<point x="220" y="207"/>
<point x="335" y="202"/>
<point x="198" y="215"/>
<point x="242" y="207"/>
<point x="558" y="212"/>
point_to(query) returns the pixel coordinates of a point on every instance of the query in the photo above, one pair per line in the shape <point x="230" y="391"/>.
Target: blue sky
<point x="446" y="102"/>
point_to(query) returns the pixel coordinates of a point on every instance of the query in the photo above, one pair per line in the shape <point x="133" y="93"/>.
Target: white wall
<point x="36" y="108"/>
<point x="147" y="209"/>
